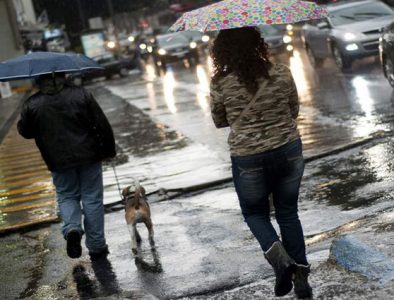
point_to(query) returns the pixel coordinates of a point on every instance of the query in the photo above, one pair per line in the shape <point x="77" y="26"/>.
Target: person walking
<point x="258" y="101"/>
<point x="73" y="136"/>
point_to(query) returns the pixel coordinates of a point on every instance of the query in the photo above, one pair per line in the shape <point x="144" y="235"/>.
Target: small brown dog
<point x="137" y="211"/>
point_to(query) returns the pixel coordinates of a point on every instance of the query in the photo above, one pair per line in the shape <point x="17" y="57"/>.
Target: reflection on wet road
<point x="27" y="195"/>
<point x="336" y="108"/>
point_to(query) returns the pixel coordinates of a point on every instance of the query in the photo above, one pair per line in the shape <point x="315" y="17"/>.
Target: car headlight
<point x="193" y="45"/>
<point x="131" y="38"/>
<point x="289" y="27"/>
<point x="287" y="39"/>
<point x="162" y="52"/>
<point x="143" y="46"/>
<point x="349" y="36"/>
<point x="111" y="44"/>
<point x="205" y="38"/>
<point x="352" y="47"/>
<point x="150" y="49"/>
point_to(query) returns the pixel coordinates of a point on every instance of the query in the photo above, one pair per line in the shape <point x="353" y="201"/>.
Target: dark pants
<point x="277" y="172"/>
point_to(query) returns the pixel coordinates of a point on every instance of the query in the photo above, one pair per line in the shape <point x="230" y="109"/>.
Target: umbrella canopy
<point x="38" y="63"/>
<point x="229" y="14"/>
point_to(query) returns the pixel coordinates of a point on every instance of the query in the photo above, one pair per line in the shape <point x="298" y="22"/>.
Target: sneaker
<point x="74" y="249"/>
<point x="99" y="255"/>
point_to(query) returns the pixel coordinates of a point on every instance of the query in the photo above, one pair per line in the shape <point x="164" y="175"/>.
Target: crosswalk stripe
<point x="22" y="165"/>
<point x="21" y="171"/>
<point x="17" y="199"/>
<point x="24" y="182"/>
<point x="10" y="178"/>
<point x="26" y="206"/>
<point x="27" y="195"/>
<point x="20" y="162"/>
<point x="41" y="186"/>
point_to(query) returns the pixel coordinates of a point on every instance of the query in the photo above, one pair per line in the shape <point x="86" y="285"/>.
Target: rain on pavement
<point x="27" y="195"/>
<point x="335" y="110"/>
<point x="166" y="138"/>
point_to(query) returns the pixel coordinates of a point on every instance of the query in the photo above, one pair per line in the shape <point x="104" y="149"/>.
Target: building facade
<point x="10" y="39"/>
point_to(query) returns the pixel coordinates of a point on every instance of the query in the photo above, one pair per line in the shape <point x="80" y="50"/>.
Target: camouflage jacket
<point x="268" y="124"/>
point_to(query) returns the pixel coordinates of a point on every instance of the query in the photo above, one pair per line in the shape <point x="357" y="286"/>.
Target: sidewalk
<point x="26" y="192"/>
<point x="204" y="249"/>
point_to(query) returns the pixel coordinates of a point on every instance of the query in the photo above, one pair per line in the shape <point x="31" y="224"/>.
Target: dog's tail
<point x="139" y="192"/>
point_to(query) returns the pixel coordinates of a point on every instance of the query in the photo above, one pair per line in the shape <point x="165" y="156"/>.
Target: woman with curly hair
<point x="259" y="101"/>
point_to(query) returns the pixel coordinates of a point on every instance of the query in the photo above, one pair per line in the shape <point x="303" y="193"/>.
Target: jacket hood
<point x="51" y="85"/>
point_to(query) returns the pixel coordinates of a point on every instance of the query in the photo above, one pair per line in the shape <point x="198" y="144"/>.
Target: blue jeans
<point x="82" y="185"/>
<point x="277" y="172"/>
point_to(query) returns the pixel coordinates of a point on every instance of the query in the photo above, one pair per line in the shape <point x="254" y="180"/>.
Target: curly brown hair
<point x="241" y="51"/>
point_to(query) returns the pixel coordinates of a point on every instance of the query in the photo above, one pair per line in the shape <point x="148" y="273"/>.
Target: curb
<point x="356" y="256"/>
<point x="161" y="195"/>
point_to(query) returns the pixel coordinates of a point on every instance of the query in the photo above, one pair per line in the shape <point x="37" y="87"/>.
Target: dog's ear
<point x="125" y="192"/>
<point x="142" y="191"/>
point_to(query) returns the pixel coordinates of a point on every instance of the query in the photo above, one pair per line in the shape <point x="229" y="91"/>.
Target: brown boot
<point x="302" y="289"/>
<point x="284" y="267"/>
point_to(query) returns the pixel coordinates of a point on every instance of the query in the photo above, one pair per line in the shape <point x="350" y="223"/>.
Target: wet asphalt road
<point x="204" y="250"/>
<point x="204" y="247"/>
<point x="336" y="108"/>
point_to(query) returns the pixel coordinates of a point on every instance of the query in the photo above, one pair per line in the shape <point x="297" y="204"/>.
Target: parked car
<point x="278" y="40"/>
<point x="350" y="32"/>
<point x="174" y="47"/>
<point x="112" y="65"/>
<point x="386" y="49"/>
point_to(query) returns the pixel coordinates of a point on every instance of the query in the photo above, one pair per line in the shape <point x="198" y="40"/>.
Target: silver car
<point x="350" y="32"/>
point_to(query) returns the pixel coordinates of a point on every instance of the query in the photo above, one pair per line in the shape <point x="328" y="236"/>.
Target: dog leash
<point x="117" y="180"/>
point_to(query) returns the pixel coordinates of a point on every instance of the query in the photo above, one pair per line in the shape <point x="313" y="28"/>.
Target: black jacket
<point x="69" y="128"/>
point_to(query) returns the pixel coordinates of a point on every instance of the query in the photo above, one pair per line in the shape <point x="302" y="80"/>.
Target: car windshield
<point x="192" y="34"/>
<point x="268" y="30"/>
<point x="168" y="40"/>
<point x="359" y="13"/>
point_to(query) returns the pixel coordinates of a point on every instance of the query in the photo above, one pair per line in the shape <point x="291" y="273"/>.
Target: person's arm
<point x="102" y="127"/>
<point x="25" y="128"/>
<point x="218" y="110"/>
<point x="293" y="97"/>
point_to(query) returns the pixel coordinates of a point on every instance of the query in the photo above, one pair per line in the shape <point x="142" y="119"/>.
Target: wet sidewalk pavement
<point x="27" y="196"/>
<point x="205" y="250"/>
<point x="26" y="192"/>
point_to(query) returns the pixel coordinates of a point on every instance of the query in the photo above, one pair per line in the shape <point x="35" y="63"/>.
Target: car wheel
<point x="315" y="62"/>
<point x="389" y="71"/>
<point x="343" y="63"/>
<point x="123" y="72"/>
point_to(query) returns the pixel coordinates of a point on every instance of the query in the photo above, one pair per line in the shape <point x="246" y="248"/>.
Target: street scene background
<point x="165" y="137"/>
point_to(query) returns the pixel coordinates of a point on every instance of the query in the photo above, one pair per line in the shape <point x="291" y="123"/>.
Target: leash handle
<point x="117" y="179"/>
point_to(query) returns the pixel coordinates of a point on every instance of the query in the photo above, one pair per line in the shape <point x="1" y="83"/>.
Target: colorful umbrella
<point x="228" y="14"/>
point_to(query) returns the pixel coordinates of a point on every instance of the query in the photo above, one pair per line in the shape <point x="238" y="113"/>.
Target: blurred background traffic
<point x="129" y="36"/>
